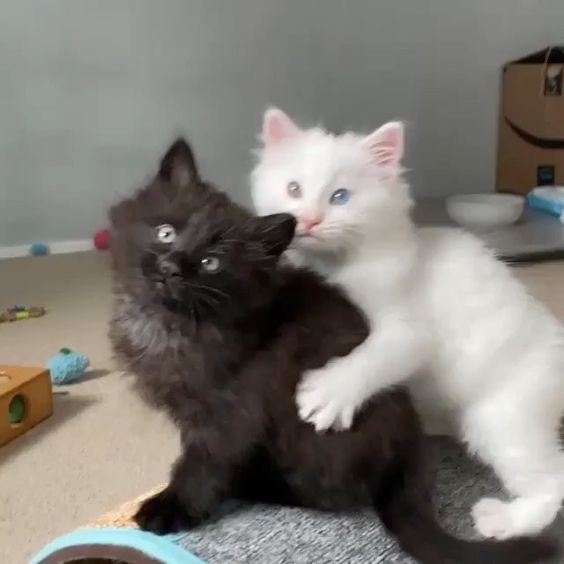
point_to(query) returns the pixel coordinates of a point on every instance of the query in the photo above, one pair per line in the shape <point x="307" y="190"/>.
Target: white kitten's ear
<point x="386" y="145"/>
<point x="277" y="127"/>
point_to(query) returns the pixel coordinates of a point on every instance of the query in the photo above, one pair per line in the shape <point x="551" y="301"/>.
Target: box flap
<point x="553" y="54"/>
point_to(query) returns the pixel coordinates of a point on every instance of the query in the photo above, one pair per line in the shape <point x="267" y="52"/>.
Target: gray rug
<point x="273" y="535"/>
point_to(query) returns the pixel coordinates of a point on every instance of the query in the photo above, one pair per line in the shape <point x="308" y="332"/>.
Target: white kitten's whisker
<point x="342" y="237"/>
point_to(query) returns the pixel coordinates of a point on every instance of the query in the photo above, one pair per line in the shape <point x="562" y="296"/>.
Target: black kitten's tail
<point x="410" y="519"/>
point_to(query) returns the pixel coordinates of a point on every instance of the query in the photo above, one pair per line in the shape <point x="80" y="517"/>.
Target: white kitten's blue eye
<point x="340" y="197"/>
<point x="166" y="233"/>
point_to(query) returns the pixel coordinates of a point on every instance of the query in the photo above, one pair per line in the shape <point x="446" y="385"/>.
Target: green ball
<point x="16" y="410"/>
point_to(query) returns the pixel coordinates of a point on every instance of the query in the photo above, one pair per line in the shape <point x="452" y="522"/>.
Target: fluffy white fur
<point x="443" y="312"/>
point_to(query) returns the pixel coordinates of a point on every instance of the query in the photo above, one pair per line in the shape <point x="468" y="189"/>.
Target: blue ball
<point x="38" y="250"/>
<point x="67" y="366"/>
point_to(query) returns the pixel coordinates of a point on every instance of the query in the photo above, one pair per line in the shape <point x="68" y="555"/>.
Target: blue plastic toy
<point x="549" y="199"/>
<point x="67" y="366"/>
<point x="38" y="250"/>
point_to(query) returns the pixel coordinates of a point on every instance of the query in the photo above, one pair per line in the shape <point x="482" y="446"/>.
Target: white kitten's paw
<point x="323" y="400"/>
<point x="492" y="518"/>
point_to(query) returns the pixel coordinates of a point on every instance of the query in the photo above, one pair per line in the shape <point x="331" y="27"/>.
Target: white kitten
<point x="443" y="312"/>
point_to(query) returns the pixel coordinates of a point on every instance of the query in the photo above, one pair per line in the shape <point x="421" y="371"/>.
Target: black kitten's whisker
<point x="208" y="289"/>
<point x="233" y="241"/>
<point x="210" y="302"/>
<point x="207" y="299"/>
<point x="230" y="229"/>
<point x="193" y="311"/>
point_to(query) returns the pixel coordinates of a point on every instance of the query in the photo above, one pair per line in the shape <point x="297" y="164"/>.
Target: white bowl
<point x="485" y="211"/>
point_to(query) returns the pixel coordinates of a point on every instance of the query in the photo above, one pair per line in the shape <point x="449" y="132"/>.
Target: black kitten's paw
<point x="163" y="514"/>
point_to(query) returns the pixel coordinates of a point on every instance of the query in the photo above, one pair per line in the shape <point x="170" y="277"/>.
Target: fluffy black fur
<point x="217" y="333"/>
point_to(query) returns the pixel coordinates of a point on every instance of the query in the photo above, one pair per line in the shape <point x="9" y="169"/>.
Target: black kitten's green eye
<point x="211" y="264"/>
<point x="294" y="189"/>
<point x="166" y="233"/>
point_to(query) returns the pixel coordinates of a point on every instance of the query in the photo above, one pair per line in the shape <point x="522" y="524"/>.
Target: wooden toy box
<point x="26" y="399"/>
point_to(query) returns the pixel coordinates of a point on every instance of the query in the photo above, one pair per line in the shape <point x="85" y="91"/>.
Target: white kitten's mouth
<point x="315" y="232"/>
<point x="328" y="239"/>
<point x="309" y="241"/>
<point x="309" y="238"/>
<point x="307" y="235"/>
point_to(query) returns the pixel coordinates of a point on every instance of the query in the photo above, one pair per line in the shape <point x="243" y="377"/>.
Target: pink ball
<point x="102" y="239"/>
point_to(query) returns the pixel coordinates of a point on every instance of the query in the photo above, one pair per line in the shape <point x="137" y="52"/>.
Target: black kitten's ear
<point x="179" y="165"/>
<point x="275" y="232"/>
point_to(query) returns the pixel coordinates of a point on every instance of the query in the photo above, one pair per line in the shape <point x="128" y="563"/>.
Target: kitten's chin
<point x="305" y="249"/>
<point x="310" y="250"/>
<point x="165" y="294"/>
<point x="315" y="244"/>
<point x="310" y="242"/>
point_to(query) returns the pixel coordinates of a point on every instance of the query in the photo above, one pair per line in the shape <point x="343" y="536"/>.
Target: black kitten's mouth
<point x="191" y="298"/>
<point x="167" y="287"/>
<point x="174" y="280"/>
<point x="159" y="282"/>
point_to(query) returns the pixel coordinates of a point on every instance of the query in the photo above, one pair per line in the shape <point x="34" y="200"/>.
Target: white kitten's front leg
<point x="330" y="396"/>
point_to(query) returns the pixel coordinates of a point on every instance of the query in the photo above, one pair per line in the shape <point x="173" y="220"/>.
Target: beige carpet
<point x="102" y="446"/>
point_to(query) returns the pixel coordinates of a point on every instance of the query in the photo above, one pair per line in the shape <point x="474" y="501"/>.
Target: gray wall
<point x="91" y="91"/>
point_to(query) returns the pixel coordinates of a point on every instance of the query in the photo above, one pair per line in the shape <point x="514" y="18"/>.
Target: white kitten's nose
<point x="306" y="223"/>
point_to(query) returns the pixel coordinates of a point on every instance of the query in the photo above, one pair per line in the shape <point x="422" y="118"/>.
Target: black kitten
<point x="218" y="333"/>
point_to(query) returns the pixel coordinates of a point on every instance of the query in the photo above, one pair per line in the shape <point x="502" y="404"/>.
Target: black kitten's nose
<point x="168" y="267"/>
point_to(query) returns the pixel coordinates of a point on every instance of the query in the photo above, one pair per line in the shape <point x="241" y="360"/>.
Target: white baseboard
<point x="55" y="248"/>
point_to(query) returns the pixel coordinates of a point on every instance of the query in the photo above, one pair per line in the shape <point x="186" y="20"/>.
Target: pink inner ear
<point x="277" y="127"/>
<point x="386" y="145"/>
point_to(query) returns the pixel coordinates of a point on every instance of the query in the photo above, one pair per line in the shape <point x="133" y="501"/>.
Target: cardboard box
<point x="531" y="122"/>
